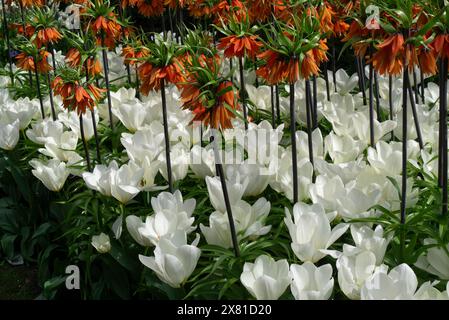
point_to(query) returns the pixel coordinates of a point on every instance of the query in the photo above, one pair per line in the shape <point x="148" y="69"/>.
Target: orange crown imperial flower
<point x="235" y="46"/>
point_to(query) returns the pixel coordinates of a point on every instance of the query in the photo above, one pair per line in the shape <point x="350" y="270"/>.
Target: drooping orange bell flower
<point x="227" y="8"/>
<point x="48" y="35"/>
<point x="441" y="45"/>
<point x="132" y="54"/>
<point x="73" y="59"/>
<point x="427" y="61"/>
<point x="259" y="10"/>
<point x="75" y="96"/>
<point x="388" y="60"/>
<point x="309" y="66"/>
<point x="151" y="76"/>
<point x="236" y="46"/>
<point x="28" y="62"/>
<point x="150" y="8"/>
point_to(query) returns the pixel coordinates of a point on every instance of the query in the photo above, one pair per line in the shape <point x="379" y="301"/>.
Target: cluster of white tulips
<point x="347" y="179"/>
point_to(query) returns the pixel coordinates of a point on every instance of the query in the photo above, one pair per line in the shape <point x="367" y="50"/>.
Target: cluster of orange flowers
<point x="75" y="96"/>
<point x="73" y="60"/>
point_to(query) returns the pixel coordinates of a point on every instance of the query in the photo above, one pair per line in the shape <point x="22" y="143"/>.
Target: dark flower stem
<point x="278" y="107"/>
<point x="50" y="94"/>
<point x="8" y="42"/>
<point x="137" y="84"/>
<point x="421" y="76"/>
<point x="415" y="86"/>
<point x="361" y="79"/>
<point x="83" y="138"/>
<point x="309" y="120"/>
<point x="371" y="107"/>
<point x="326" y="79"/>
<point x="376" y="85"/>
<point x="166" y="136"/>
<point x="94" y="124"/>
<point x="404" y="142"/>
<point x="334" y="66"/>
<point x="415" y="114"/>
<point x="390" y="99"/>
<point x="441" y="124"/>
<point x="293" y="142"/>
<point x="315" y="103"/>
<point x="220" y="173"/>
<point x="443" y="106"/>
<point x="106" y="79"/>
<point x="39" y="94"/>
<point x="243" y="93"/>
<point x="273" y="116"/>
<point x="362" y="74"/>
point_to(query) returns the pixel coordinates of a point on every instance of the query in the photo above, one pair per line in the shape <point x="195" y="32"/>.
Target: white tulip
<point x="23" y="109"/>
<point x="180" y="159"/>
<point x="398" y="284"/>
<point x="346" y="171"/>
<point x="174" y="260"/>
<point x="53" y="174"/>
<point x="257" y="178"/>
<point x="282" y="181"/>
<point x="133" y="225"/>
<point x="367" y="239"/>
<point x="362" y="127"/>
<point x="343" y="148"/>
<point x="71" y="120"/>
<point x="165" y="223"/>
<point x="302" y="143"/>
<point x="387" y="157"/>
<point x="266" y="279"/>
<point x="61" y="147"/>
<point x="132" y="114"/>
<point x="326" y="191"/>
<point x="125" y="182"/>
<point x="353" y="271"/>
<point x="339" y="112"/>
<point x="9" y="135"/>
<point x="235" y="192"/>
<point x="249" y="223"/>
<point x="100" y="178"/>
<point x="345" y="84"/>
<point x="427" y="291"/>
<point x="311" y="282"/>
<point x="45" y="130"/>
<point x="311" y="231"/>
<point x="147" y="142"/>
<point x="101" y="242"/>
<point x="173" y="202"/>
<point x="357" y="203"/>
<point x="202" y="161"/>
<point x="435" y="260"/>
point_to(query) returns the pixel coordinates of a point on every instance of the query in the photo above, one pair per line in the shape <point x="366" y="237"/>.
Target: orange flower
<point x="151" y="76"/>
<point x="427" y="61"/>
<point x="28" y="63"/>
<point x="259" y="10"/>
<point x="225" y="8"/>
<point x="219" y="116"/>
<point x="319" y="53"/>
<point x="441" y="45"/>
<point x="75" y="96"/>
<point x="48" y="35"/>
<point x="308" y="66"/>
<point x="340" y="27"/>
<point x="25" y="62"/>
<point x="93" y="66"/>
<point x="108" y="25"/>
<point x="389" y="56"/>
<point x="235" y="46"/>
<point x="130" y="54"/>
<point x="73" y="57"/>
<point x="173" y="4"/>
<point x="199" y="8"/>
<point x="151" y="9"/>
<point x="326" y="24"/>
